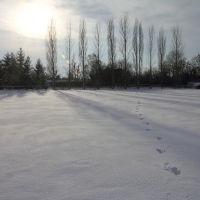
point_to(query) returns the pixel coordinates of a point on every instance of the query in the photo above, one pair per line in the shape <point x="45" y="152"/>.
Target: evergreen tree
<point x="6" y="63"/>
<point x="40" y="76"/>
<point x="26" y="74"/>
<point x="14" y="78"/>
<point x="20" y="64"/>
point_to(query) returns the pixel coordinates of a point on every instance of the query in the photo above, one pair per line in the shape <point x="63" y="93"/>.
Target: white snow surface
<point x="100" y="144"/>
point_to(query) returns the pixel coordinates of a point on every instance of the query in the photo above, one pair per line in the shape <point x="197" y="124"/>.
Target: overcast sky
<point x="23" y="23"/>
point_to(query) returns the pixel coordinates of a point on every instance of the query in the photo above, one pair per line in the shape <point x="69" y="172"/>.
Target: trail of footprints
<point x="167" y="167"/>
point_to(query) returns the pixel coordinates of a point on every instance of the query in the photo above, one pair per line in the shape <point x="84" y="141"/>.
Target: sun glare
<point x="33" y="19"/>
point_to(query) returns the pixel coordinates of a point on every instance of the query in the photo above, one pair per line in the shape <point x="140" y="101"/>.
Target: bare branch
<point x="138" y="48"/>
<point x="161" y="44"/>
<point x="69" y="46"/>
<point x="51" y="50"/>
<point x="124" y="46"/>
<point x="98" y="48"/>
<point x="141" y="47"/>
<point x="82" y="47"/>
<point x="178" y="52"/>
<point x="150" y="49"/>
<point x="111" y="42"/>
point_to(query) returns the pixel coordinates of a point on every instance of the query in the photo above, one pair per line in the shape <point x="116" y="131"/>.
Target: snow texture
<point x="106" y="144"/>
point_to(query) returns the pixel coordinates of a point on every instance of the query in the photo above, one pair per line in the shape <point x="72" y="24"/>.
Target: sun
<point x="33" y="19"/>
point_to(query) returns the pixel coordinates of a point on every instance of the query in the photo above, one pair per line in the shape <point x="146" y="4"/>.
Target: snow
<point x="106" y="144"/>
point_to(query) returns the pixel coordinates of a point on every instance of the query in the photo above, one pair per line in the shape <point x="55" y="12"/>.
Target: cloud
<point x="12" y="41"/>
<point x="159" y="13"/>
<point x="86" y="9"/>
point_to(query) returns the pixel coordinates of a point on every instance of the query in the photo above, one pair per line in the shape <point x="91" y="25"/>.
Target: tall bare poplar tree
<point x="51" y="51"/>
<point x="82" y="47"/>
<point x="98" y="48"/>
<point x="161" y="43"/>
<point x="178" y="54"/>
<point x="141" y="48"/>
<point x="135" y="50"/>
<point x="124" y="45"/>
<point x="138" y="49"/>
<point x="150" y="50"/>
<point x="69" y="45"/>
<point x="111" y="42"/>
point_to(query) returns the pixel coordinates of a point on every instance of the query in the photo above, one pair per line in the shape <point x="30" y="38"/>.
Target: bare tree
<point x="141" y="48"/>
<point x="69" y="46"/>
<point x="161" y="43"/>
<point x="138" y="49"/>
<point x="82" y="47"/>
<point x="74" y="68"/>
<point x="135" y="50"/>
<point x="98" y="49"/>
<point x="124" y="46"/>
<point x="111" y="41"/>
<point x="51" y="51"/>
<point x="178" y="54"/>
<point x="150" y="50"/>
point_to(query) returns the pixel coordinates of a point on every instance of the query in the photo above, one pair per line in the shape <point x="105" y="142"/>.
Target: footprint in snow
<point x="159" y="138"/>
<point x="147" y="123"/>
<point x="160" y="151"/>
<point x="148" y="129"/>
<point x="174" y="170"/>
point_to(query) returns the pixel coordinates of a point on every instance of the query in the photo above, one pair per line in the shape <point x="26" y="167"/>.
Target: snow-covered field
<point x="78" y="145"/>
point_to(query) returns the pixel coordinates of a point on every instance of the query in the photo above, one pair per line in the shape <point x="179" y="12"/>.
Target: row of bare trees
<point x="131" y="49"/>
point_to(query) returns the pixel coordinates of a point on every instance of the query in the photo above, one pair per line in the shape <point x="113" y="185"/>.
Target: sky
<point x="23" y="23"/>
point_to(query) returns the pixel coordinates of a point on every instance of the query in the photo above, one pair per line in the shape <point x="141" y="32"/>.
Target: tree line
<point x="171" y="69"/>
<point x="16" y="71"/>
<point x="161" y="69"/>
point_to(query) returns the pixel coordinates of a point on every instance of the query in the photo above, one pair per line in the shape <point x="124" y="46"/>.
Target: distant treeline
<point x="17" y="71"/>
<point x="101" y="74"/>
<point x="171" y="68"/>
<point x="187" y="72"/>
